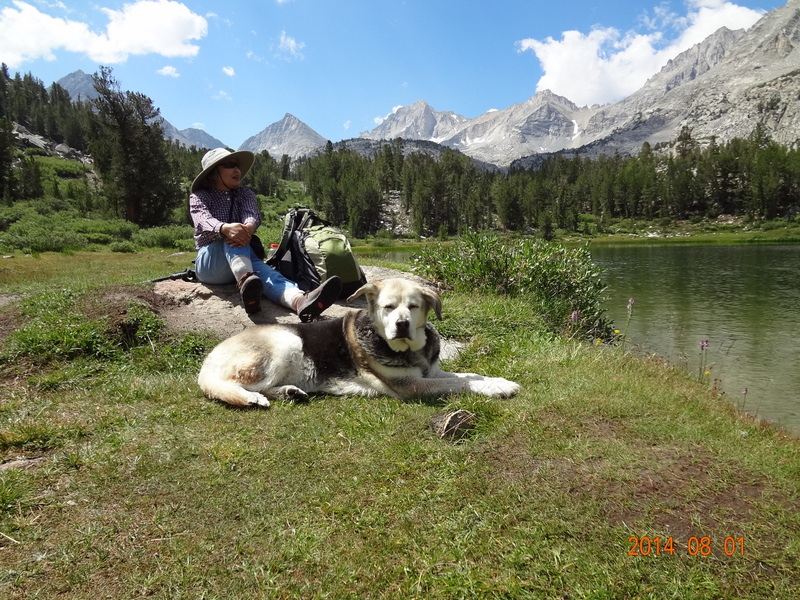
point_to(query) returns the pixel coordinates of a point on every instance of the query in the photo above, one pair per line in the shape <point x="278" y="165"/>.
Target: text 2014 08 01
<point x="695" y="546"/>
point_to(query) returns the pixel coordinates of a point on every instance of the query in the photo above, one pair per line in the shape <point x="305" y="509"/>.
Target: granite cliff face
<point x="722" y="88"/>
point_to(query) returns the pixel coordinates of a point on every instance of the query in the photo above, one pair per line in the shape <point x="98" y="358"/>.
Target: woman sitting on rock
<point x="225" y="216"/>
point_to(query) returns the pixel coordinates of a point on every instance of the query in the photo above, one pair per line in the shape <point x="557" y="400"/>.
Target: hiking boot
<point x="250" y="289"/>
<point x="310" y="305"/>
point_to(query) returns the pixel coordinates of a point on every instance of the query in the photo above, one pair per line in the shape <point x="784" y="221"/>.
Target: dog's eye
<point x="389" y="307"/>
<point x="413" y="306"/>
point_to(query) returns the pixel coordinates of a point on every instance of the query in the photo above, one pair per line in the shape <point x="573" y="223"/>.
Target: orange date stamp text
<point x="695" y="546"/>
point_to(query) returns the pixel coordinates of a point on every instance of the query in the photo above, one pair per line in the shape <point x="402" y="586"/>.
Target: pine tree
<point x="7" y="151"/>
<point x="131" y="154"/>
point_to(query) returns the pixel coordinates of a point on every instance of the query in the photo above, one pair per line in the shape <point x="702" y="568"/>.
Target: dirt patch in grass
<point x="10" y="318"/>
<point x="686" y="493"/>
<point x="650" y="490"/>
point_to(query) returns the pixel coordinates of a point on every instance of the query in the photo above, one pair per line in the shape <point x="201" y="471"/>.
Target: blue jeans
<point x="213" y="265"/>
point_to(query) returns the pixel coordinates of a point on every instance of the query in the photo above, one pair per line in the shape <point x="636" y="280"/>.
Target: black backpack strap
<point x="289" y="227"/>
<point x="306" y="220"/>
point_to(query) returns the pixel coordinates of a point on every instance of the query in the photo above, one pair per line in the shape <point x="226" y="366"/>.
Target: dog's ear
<point x="433" y="302"/>
<point x="370" y="290"/>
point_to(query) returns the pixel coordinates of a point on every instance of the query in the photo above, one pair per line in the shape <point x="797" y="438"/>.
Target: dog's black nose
<point x="402" y="328"/>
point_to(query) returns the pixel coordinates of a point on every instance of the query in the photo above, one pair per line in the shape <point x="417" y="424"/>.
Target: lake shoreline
<point x="703" y="307"/>
<point x="744" y="238"/>
<point x="720" y="231"/>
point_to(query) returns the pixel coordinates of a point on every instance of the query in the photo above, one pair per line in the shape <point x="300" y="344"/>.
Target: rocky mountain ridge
<point x="288" y="136"/>
<point x="721" y="88"/>
<point x="190" y="137"/>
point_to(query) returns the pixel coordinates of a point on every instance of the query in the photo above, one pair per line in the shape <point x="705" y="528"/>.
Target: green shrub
<point x="116" y="229"/>
<point x="564" y="284"/>
<point x="772" y="225"/>
<point x="184" y="245"/>
<point x="40" y="152"/>
<point x="99" y="238"/>
<point x="587" y="224"/>
<point x="625" y="226"/>
<point x="43" y="233"/>
<point x="123" y="247"/>
<point x="162" y="237"/>
<point x="25" y="209"/>
<point x="49" y="225"/>
<point x="53" y="166"/>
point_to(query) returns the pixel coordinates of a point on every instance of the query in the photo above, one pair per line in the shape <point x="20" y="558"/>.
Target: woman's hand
<point x="237" y="234"/>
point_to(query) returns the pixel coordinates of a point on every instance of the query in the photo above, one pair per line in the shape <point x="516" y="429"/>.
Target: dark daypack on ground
<point x="312" y="250"/>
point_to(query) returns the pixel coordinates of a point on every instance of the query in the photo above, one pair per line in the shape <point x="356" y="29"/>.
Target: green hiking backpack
<point x="312" y="250"/>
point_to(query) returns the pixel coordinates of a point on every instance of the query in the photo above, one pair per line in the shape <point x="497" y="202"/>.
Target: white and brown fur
<point x="387" y="348"/>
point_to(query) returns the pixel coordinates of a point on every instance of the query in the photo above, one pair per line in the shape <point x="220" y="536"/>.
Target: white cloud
<point x="255" y="57"/>
<point x="289" y="48"/>
<point x="229" y="71"/>
<point x="222" y="95"/>
<point x="162" y="27"/>
<point x="605" y="65"/>
<point x="379" y="120"/>
<point x="169" y="72"/>
<point x="347" y="124"/>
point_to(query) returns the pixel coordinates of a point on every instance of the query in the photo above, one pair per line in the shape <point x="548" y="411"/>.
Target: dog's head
<point x="399" y="310"/>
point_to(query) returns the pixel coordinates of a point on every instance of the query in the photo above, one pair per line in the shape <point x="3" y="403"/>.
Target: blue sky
<point x="233" y="68"/>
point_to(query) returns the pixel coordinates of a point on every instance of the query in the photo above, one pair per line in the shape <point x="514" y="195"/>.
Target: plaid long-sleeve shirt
<point x="210" y="209"/>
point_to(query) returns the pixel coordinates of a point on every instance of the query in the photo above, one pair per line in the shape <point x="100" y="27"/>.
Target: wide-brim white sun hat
<point x="212" y="158"/>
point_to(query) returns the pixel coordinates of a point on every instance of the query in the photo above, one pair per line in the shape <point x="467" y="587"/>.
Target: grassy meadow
<point x="607" y="477"/>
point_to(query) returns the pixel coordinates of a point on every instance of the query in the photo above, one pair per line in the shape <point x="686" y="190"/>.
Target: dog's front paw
<point x="496" y="387"/>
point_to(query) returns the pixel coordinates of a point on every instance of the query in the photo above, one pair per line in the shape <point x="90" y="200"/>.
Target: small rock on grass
<point x="453" y="425"/>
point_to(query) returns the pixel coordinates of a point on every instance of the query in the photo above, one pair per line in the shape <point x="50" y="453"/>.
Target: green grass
<point x="143" y="488"/>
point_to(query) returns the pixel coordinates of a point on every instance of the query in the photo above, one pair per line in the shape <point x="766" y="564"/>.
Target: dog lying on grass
<point x="388" y="348"/>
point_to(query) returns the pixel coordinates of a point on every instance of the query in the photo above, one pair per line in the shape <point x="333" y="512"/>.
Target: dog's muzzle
<point x="402" y="329"/>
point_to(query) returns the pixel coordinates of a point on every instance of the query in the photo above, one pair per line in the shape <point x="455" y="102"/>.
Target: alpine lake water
<point x="729" y="314"/>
